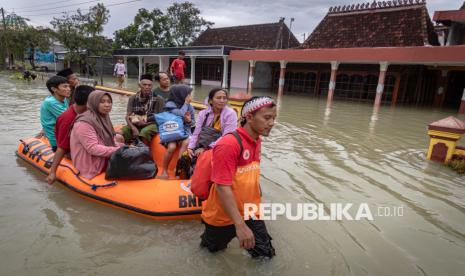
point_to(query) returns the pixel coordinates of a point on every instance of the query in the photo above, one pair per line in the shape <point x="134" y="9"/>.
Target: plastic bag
<point x="131" y="163"/>
<point x="170" y="127"/>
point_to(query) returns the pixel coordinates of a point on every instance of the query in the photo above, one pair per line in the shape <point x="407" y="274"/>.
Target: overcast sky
<point x="307" y="13"/>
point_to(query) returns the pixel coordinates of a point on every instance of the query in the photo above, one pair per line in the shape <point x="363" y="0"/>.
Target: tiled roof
<point x="396" y="23"/>
<point x="450" y="123"/>
<point x="261" y="36"/>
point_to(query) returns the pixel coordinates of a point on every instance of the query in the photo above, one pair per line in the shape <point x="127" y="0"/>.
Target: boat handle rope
<point x="94" y="187"/>
<point x="48" y="163"/>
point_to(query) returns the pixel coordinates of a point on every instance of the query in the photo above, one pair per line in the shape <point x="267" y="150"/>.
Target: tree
<point x="96" y="18"/>
<point x="149" y="29"/>
<point x="179" y="26"/>
<point x="19" y="37"/>
<point x="80" y="33"/>
<point x="185" y="23"/>
<point x="37" y="38"/>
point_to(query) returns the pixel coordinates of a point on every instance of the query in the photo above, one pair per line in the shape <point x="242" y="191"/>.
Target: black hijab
<point x="178" y="94"/>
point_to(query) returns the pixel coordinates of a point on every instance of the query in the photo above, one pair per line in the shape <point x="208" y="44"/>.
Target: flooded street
<point x="343" y="154"/>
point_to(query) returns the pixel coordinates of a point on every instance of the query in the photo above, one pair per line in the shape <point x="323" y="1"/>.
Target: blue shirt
<point x="50" y="109"/>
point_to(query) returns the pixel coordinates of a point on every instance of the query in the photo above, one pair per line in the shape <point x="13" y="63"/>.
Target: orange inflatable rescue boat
<point x="153" y="198"/>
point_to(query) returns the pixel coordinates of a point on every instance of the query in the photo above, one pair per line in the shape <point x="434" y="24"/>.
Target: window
<point x="324" y="83"/>
<point x="369" y="89"/>
<point x="299" y="82"/>
<point x="389" y="84"/>
<point x="342" y="86"/>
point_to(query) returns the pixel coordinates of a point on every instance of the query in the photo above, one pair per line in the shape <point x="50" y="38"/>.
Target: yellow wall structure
<point x="460" y="152"/>
<point x="448" y="138"/>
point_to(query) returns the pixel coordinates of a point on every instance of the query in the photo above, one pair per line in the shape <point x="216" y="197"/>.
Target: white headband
<point x="255" y="105"/>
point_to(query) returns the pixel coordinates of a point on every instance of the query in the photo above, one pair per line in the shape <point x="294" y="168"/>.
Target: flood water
<point x="343" y="154"/>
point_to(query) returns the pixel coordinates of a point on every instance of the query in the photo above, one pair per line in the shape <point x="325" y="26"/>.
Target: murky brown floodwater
<point x="316" y="155"/>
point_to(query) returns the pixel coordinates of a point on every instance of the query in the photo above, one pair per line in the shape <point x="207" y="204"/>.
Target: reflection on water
<point x="347" y="152"/>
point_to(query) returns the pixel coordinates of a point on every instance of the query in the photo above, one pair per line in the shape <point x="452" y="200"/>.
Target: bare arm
<point x="59" y="154"/>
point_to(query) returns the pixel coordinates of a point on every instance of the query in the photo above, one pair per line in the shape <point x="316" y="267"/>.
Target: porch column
<point x="140" y="67"/>
<point x="225" y="72"/>
<point x="380" y="88"/>
<point x="462" y="104"/>
<point x="125" y="60"/>
<point x="332" y="81"/>
<point x="161" y="66"/>
<point x="251" y="76"/>
<point x="192" y="81"/>
<point x="395" y="93"/>
<point x="282" y="76"/>
<point x="441" y="92"/>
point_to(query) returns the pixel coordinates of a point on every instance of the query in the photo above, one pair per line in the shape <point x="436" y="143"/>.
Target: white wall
<point x="239" y="74"/>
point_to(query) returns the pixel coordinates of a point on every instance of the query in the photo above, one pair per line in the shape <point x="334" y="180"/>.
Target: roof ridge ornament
<point x="375" y="5"/>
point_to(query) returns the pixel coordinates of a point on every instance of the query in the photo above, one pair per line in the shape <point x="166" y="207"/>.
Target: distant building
<point x="210" y="51"/>
<point x="451" y="26"/>
<point x="382" y="52"/>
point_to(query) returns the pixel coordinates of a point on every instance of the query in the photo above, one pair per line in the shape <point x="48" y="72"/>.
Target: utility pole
<point x="290" y="28"/>
<point x="5" y="45"/>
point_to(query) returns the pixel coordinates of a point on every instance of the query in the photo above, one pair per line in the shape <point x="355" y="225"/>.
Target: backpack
<point x="201" y="178"/>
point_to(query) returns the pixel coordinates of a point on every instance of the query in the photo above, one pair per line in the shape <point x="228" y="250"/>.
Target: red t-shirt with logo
<point x="241" y="173"/>
<point x="64" y="122"/>
<point x="178" y="67"/>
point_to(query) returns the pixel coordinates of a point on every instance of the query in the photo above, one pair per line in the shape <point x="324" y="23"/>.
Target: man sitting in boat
<point x="63" y="126"/>
<point x="53" y="106"/>
<point x="163" y="89"/>
<point x="140" y="106"/>
<point x="73" y="81"/>
<point x="93" y="139"/>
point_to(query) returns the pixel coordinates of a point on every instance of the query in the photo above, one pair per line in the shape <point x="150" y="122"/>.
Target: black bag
<point x="208" y="134"/>
<point x="131" y="163"/>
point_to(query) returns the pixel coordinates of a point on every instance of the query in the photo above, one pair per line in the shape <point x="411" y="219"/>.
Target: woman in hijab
<point x="92" y="138"/>
<point x="178" y="103"/>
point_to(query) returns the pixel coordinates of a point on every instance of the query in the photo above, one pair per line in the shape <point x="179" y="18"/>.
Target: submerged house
<point x="382" y="52"/>
<point x="208" y="56"/>
<point x="387" y="52"/>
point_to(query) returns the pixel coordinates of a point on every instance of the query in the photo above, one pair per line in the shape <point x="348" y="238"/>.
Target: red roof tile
<point x="261" y="36"/>
<point x="396" y="23"/>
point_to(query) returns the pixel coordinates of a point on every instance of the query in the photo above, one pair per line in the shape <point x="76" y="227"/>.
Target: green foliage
<point x="179" y="26"/>
<point x="149" y="29"/>
<point x="80" y="33"/>
<point x="19" y="36"/>
<point x="457" y="164"/>
<point x="185" y="23"/>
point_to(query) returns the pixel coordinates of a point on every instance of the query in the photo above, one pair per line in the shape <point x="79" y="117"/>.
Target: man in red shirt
<point x="236" y="182"/>
<point x="63" y="125"/>
<point x="177" y="67"/>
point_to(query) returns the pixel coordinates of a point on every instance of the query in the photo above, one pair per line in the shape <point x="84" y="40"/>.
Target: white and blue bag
<point x="170" y="127"/>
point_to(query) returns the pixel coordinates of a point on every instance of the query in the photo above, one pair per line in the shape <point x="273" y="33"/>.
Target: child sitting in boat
<point x="93" y="139"/>
<point x="179" y="104"/>
<point x="53" y="106"/>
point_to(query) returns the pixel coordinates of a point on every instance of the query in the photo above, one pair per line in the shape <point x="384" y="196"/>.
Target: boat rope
<point x="94" y="187"/>
<point x="48" y="164"/>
